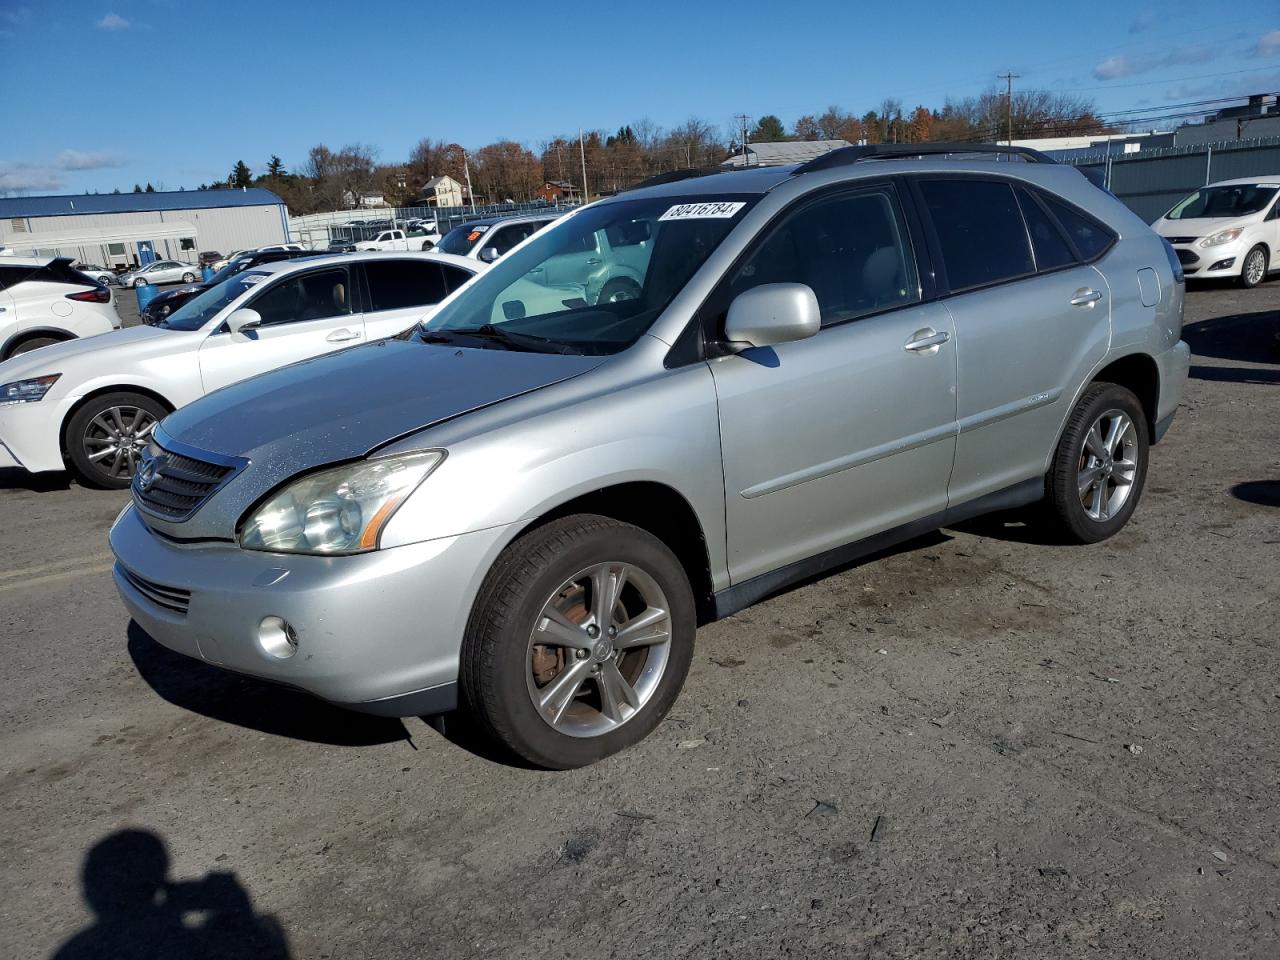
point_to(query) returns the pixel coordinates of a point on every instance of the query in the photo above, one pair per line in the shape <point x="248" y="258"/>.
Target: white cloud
<point x="1268" y="45"/>
<point x="113" y="21"/>
<point x="86" y="160"/>
<point x="25" y="177"/>
<point x="1113" y="68"/>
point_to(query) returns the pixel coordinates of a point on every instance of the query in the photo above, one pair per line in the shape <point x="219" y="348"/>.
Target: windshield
<point x="459" y="239"/>
<point x="199" y="310"/>
<point x="230" y="270"/>
<point x="1234" y="200"/>
<point x="596" y="281"/>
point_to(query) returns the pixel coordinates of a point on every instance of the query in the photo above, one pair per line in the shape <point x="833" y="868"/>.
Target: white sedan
<point x="161" y="271"/>
<point x="91" y="404"/>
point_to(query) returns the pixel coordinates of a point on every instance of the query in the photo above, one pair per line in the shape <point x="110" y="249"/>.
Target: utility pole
<point x="466" y="166"/>
<point x="1008" y="78"/>
<point x="743" y="118"/>
<point x="582" y="148"/>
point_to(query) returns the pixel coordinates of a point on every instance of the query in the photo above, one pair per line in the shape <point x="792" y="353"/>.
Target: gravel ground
<point x="976" y="746"/>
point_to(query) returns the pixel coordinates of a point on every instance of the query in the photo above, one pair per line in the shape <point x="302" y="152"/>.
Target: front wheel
<point x="105" y="438"/>
<point x="188" y="277"/>
<point x="1254" y="269"/>
<point x="35" y="343"/>
<point x="140" y="282"/>
<point x="579" y="642"/>
<point x="1100" y="466"/>
<point x="619" y="289"/>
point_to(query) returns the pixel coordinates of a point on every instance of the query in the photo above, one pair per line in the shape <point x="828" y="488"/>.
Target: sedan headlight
<point x="1221" y="237"/>
<point x="342" y="510"/>
<point x="26" y="391"/>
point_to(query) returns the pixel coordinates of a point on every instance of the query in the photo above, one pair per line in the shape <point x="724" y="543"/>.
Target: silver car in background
<point x="161" y="271"/>
<point x="527" y="505"/>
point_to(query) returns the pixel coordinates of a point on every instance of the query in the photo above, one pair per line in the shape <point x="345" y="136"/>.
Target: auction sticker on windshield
<point x="702" y="211"/>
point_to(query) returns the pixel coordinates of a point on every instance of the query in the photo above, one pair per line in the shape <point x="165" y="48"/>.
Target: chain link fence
<point x="315" y="231"/>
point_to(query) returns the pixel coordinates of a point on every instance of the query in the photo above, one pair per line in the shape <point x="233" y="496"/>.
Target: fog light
<point x="1223" y="264"/>
<point x="278" y="637"/>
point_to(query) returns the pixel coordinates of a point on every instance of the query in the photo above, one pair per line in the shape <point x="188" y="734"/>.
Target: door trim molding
<point x="1007" y="410"/>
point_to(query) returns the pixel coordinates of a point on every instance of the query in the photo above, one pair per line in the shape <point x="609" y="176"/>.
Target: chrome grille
<point x="172" y="485"/>
<point x="171" y="598"/>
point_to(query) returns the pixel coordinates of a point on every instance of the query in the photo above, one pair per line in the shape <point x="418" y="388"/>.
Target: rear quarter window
<point x="1091" y="238"/>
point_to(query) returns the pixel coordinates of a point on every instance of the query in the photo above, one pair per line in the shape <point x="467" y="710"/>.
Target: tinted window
<point x="307" y="296"/>
<point x="1090" y="237"/>
<point x="454" y="277"/>
<point x="397" y="284"/>
<point x="851" y="250"/>
<point x="9" y="276"/>
<point x="980" y="231"/>
<point x="1046" y="239"/>
<point x="505" y="238"/>
<point x="1229" y="200"/>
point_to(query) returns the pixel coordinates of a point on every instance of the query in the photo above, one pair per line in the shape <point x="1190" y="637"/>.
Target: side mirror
<point x="489" y="254"/>
<point x="772" y="313"/>
<point x="243" y="320"/>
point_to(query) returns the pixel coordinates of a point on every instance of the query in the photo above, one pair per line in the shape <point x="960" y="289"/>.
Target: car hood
<point x="88" y="356"/>
<point x="347" y="404"/>
<point x="1201" y="226"/>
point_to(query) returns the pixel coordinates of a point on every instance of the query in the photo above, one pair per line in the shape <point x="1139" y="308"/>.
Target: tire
<point x="188" y="278"/>
<point x="94" y="429"/>
<point x="140" y="282"/>
<point x="1084" y="465"/>
<point x="1253" y="269"/>
<point x="503" y="668"/>
<point x="617" y="289"/>
<point x="35" y="343"/>
<point x="427" y="245"/>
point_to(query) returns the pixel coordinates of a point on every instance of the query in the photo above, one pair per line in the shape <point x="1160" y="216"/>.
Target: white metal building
<point x="112" y="230"/>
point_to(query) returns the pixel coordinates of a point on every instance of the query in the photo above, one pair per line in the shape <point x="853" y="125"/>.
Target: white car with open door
<point x="91" y="405"/>
<point x="44" y="301"/>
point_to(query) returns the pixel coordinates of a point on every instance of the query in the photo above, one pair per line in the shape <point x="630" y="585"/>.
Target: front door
<point x="829" y="440"/>
<point x="303" y="315"/>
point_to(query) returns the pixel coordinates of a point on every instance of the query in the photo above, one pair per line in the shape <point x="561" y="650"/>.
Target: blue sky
<point x="111" y="92"/>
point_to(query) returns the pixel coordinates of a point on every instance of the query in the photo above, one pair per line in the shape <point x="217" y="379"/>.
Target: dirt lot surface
<point x="977" y="746"/>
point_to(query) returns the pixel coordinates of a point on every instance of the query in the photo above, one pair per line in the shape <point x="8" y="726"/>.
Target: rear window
<point x="56" y="271"/>
<point x="980" y="231"/>
<point x="1050" y="247"/>
<point x="1091" y="238"/>
<point x="398" y="284"/>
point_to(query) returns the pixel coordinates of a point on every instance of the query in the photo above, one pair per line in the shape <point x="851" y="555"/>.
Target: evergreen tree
<point x="240" y="176"/>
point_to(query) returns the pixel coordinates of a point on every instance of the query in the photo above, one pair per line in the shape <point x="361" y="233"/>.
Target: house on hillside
<point x="441" y="192"/>
<point x="559" y="191"/>
<point x="781" y="152"/>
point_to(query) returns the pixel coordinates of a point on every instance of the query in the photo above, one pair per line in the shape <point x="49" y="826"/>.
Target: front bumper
<point x="379" y="632"/>
<point x="29" y="432"/>
<point x="1206" y="258"/>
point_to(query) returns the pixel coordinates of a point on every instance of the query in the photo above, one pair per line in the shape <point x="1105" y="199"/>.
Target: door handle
<point x="343" y="335"/>
<point x="1086" y="297"/>
<point x="926" y="341"/>
<point x="593" y="261"/>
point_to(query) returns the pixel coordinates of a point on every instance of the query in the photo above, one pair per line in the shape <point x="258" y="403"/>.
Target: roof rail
<point x="887" y="151"/>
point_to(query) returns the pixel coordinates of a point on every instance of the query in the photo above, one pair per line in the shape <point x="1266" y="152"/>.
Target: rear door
<point x="304" y="314"/>
<point x="1031" y="317"/>
<point x="832" y="439"/>
<point x="400" y="293"/>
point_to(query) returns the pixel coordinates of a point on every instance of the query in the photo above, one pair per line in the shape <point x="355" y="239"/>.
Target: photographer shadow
<point x="140" y="912"/>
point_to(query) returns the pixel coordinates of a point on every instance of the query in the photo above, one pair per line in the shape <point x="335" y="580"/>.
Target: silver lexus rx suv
<point x="526" y="505"/>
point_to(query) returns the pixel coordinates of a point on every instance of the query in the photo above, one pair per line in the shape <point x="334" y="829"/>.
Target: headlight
<point x="342" y="510"/>
<point x="27" y="391"/>
<point x="1221" y="237"/>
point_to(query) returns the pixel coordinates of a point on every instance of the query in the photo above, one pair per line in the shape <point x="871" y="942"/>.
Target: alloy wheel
<point x="1255" y="266"/>
<point x="598" y="649"/>
<point x="1108" y="465"/>
<point x="115" y="438"/>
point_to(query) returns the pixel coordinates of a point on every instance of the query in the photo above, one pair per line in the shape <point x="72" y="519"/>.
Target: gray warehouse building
<point x="114" y="229"/>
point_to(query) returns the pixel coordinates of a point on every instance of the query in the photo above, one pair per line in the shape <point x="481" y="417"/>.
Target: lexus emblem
<point x="148" y="472"/>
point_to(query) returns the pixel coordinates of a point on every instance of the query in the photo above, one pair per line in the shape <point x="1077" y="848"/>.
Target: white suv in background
<point x="43" y="301"/>
<point x="1227" y="229"/>
<point x="92" y="405"/>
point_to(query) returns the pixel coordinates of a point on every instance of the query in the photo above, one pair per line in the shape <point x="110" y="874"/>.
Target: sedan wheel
<point x="1254" y="270"/>
<point x="188" y="278"/>
<point x="140" y="281"/>
<point x="106" y="437"/>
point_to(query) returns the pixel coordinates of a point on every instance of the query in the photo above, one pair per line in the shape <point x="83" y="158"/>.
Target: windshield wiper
<point x="495" y="334"/>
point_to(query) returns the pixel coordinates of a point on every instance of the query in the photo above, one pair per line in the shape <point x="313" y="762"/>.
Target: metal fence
<point x="1151" y="181"/>
<point x="316" y="230"/>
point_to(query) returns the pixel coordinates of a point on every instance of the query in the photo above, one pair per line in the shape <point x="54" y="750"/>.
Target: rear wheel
<point x="1254" y="269"/>
<point x="105" y="438"/>
<point x="1100" y="466"/>
<point x="579" y="642"/>
<point x="188" y="277"/>
<point x="140" y="282"/>
<point x="619" y="289"/>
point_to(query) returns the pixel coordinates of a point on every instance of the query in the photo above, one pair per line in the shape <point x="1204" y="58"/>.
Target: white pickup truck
<point x="397" y="240"/>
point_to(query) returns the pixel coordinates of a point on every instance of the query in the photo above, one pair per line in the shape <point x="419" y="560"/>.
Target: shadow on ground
<point x="245" y="702"/>
<point x="140" y="912"/>
<point x="1245" y="337"/>
<point x="11" y="478"/>
<point x="1265" y="493"/>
